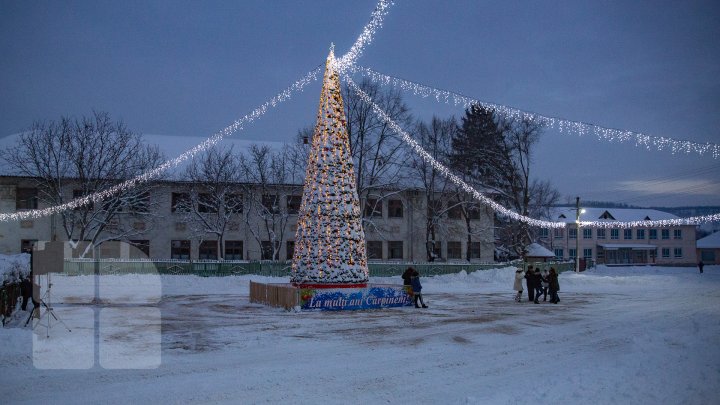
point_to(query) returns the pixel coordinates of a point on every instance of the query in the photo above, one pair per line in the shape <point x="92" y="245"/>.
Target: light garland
<point x="499" y="208"/>
<point x="650" y="142"/>
<point x="365" y="37"/>
<point x="98" y="197"/>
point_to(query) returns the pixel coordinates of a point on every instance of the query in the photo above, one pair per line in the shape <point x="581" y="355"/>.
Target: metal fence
<point x="269" y="268"/>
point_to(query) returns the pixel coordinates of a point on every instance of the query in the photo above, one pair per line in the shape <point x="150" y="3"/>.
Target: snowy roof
<point x="537" y="250"/>
<point x="567" y="214"/>
<point x="711" y="241"/>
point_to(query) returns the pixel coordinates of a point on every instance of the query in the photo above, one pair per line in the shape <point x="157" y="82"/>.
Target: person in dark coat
<point x="407" y="276"/>
<point x="554" y="286"/>
<point x="538" y="284"/>
<point x="26" y="288"/>
<point x="417" y="289"/>
<point x="530" y="281"/>
<point x="700" y="266"/>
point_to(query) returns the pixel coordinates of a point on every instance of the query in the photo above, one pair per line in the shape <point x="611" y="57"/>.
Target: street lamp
<point x="578" y="211"/>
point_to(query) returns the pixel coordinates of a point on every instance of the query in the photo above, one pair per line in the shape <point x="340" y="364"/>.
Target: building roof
<point x="567" y="214"/>
<point x="711" y="241"/>
<point x="537" y="250"/>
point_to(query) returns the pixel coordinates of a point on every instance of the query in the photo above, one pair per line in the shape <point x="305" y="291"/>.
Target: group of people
<point x="538" y="283"/>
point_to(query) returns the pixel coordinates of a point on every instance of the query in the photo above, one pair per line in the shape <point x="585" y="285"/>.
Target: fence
<point x="262" y="268"/>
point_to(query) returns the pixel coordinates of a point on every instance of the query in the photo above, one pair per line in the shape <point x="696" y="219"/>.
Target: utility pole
<point x="577" y="234"/>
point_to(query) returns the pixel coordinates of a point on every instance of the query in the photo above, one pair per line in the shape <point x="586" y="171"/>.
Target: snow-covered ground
<point x="629" y="335"/>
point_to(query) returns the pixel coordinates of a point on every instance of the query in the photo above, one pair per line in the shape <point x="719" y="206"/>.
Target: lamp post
<point x="578" y="211"/>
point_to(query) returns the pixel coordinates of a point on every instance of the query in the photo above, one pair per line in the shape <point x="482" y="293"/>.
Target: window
<point x="587" y="254"/>
<point x="233" y="250"/>
<point x="614" y="234"/>
<point x="677" y="252"/>
<point x="206" y="203"/>
<point x="289" y="249"/>
<point x="26" y="199"/>
<point x="454" y="250"/>
<point x="572" y="233"/>
<point x="180" y="249"/>
<point x="373" y="208"/>
<point x="26" y="245"/>
<point x="180" y="202"/>
<point x="640" y="234"/>
<point x="677" y="233"/>
<point x="666" y="253"/>
<point x="601" y="233"/>
<point x="208" y="250"/>
<point x="139" y="249"/>
<point x="293" y="204"/>
<point x="475" y="248"/>
<point x="558" y="233"/>
<point x="234" y="203"/>
<point x="139" y="203"/>
<point x="627" y="233"/>
<point x="652" y="234"/>
<point x="374" y="249"/>
<point x="395" y="249"/>
<point x="544" y="233"/>
<point x="455" y="210"/>
<point x="395" y="209"/>
<point x="587" y="233"/>
<point x="270" y="203"/>
<point x="665" y="233"/>
<point x="434" y="208"/>
<point x="266" y="250"/>
<point x="474" y="212"/>
<point x="572" y="254"/>
<point x="436" y="249"/>
<point x="110" y="249"/>
<point x="559" y="253"/>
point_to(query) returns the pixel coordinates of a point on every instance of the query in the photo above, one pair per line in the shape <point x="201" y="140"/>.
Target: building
<point x="708" y="249"/>
<point x="394" y="221"/>
<point x="673" y="245"/>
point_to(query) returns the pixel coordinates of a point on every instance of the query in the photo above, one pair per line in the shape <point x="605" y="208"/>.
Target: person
<point x="26" y="288"/>
<point x="701" y="265"/>
<point x="544" y="284"/>
<point x="407" y="275"/>
<point x="554" y="286"/>
<point x="517" y="286"/>
<point x="417" y="289"/>
<point x="538" y="284"/>
<point x="530" y="281"/>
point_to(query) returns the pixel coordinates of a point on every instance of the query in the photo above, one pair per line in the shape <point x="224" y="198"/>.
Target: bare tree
<point x="215" y="200"/>
<point x="267" y="173"/>
<point x="72" y="158"/>
<point x="378" y="155"/>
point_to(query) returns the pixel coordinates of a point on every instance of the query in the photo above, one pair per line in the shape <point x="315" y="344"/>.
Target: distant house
<point x="538" y="253"/>
<point x="708" y="248"/>
<point x="673" y="245"/>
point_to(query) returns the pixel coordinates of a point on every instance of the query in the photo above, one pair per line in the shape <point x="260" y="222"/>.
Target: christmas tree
<point x="330" y="242"/>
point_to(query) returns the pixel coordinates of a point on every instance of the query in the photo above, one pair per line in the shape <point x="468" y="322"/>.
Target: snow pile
<point x="14" y="267"/>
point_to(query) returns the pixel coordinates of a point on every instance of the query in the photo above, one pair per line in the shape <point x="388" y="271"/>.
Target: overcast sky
<point x="191" y="68"/>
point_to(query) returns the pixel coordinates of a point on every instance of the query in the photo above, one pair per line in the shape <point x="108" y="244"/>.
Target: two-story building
<point x="394" y="221"/>
<point x="674" y="245"/>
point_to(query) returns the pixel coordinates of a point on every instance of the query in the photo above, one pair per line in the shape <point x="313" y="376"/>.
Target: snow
<point x="643" y="335"/>
<point x="711" y="241"/>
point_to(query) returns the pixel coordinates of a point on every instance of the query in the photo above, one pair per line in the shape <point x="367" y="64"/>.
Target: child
<point x="417" y="288"/>
<point x="517" y="286"/>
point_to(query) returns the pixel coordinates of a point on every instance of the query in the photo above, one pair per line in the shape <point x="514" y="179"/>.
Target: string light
<point x="499" y="208"/>
<point x="650" y="142"/>
<point x="236" y="126"/>
<point x="365" y="37"/>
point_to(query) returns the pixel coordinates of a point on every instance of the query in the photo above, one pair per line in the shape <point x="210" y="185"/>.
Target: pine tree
<point x="330" y="242"/>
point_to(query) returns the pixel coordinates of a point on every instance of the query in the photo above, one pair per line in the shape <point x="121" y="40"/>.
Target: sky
<point x="619" y="335"/>
<point x="187" y="68"/>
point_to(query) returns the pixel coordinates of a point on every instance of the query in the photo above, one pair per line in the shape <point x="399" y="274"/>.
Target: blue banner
<point x="372" y="296"/>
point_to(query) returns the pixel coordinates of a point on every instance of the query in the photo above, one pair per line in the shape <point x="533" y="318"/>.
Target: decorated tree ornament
<point x="330" y="241"/>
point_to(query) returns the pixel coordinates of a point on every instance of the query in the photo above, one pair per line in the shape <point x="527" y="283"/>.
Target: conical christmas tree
<point x="330" y="242"/>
